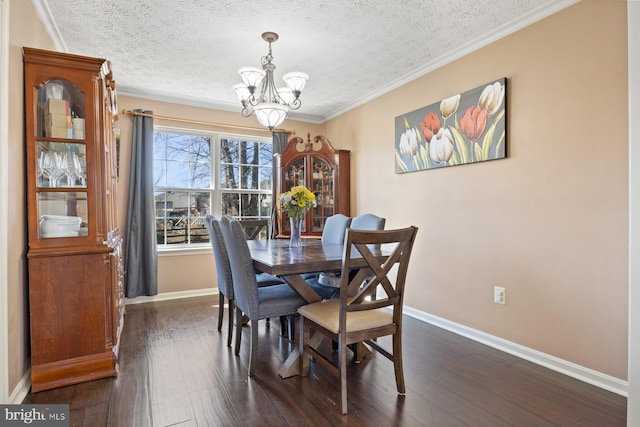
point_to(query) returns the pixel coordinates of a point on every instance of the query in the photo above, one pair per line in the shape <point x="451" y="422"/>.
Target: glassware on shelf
<point x="51" y="168"/>
<point x="61" y="165"/>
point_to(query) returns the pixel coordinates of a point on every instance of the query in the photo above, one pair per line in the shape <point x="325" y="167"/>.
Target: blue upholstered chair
<point x="255" y="302"/>
<point x="223" y="272"/>
<point x="367" y="222"/>
<point x="321" y="282"/>
<point x="334" y="231"/>
<point x="335" y="228"/>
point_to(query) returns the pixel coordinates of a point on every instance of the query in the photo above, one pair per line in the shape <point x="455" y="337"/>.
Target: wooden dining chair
<point x="255" y="302"/>
<point x="355" y="319"/>
<point x="254" y="227"/>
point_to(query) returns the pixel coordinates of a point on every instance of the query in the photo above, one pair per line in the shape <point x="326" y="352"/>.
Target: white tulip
<point x="491" y="98"/>
<point x="449" y="106"/>
<point x="409" y="143"/>
<point x="441" y="146"/>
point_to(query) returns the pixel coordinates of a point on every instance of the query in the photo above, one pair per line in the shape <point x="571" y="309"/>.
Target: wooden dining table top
<point x="275" y="257"/>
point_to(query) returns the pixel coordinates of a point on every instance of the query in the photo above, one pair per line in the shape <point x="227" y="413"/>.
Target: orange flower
<point x="473" y="123"/>
<point x="430" y="126"/>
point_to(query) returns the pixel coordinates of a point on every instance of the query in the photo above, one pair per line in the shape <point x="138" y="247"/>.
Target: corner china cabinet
<point x="76" y="295"/>
<point x="322" y="169"/>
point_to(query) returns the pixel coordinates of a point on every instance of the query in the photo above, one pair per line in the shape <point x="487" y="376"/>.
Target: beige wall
<point x="25" y="30"/>
<point x="178" y="273"/>
<point x="549" y="223"/>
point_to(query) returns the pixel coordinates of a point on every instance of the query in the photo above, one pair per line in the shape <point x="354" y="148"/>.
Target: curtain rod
<point x="201" y="122"/>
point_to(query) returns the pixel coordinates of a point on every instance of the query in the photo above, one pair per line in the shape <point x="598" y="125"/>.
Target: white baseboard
<point x="578" y="372"/>
<point x="172" y="295"/>
<point x="21" y="390"/>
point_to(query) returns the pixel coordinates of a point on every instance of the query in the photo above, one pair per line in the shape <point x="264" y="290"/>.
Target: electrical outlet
<point x="499" y="295"/>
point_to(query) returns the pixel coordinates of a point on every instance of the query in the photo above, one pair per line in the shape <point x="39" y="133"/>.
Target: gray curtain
<point x="141" y="264"/>
<point x="280" y="139"/>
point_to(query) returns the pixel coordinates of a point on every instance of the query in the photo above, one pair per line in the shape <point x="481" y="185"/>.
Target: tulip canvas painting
<point x="468" y="127"/>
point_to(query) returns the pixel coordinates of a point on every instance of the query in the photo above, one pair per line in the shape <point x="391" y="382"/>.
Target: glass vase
<point x="295" y="241"/>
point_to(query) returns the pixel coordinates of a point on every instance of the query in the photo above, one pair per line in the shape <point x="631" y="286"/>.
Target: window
<point x="186" y="189"/>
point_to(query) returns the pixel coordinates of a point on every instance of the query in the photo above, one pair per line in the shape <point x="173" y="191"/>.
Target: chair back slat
<point x="362" y="245"/>
<point x="253" y="227"/>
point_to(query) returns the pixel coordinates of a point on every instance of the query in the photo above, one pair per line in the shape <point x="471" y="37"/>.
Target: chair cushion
<point x="278" y="300"/>
<point x="266" y="279"/>
<point x="325" y="314"/>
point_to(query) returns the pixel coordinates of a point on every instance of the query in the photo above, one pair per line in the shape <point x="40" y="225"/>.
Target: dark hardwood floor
<point x="176" y="370"/>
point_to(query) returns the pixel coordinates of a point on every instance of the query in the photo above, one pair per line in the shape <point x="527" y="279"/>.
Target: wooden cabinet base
<point x="72" y="371"/>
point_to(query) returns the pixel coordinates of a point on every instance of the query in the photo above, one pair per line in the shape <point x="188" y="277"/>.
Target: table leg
<point x="302" y="288"/>
<point x="291" y="366"/>
<point x="360" y="352"/>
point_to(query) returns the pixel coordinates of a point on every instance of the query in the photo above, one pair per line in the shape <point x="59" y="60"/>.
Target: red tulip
<point x="473" y="122"/>
<point x="430" y="126"/>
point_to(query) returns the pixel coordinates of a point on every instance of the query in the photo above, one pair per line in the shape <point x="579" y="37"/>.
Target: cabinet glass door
<point x="323" y="188"/>
<point x="294" y="175"/>
<point x="61" y="110"/>
<point x="62" y="214"/>
<point x="61" y="164"/>
<point x="61" y="160"/>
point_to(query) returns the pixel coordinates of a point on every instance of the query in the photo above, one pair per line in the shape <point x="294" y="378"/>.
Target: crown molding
<point x="44" y="12"/>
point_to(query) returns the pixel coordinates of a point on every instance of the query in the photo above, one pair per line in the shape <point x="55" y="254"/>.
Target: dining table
<point x="276" y="257"/>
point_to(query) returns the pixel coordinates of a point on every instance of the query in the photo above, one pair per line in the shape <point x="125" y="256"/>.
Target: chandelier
<point x="272" y="104"/>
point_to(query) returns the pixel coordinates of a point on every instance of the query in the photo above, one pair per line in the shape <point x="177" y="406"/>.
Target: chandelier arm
<point x="246" y="111"/>
<point x="295" y="104"/>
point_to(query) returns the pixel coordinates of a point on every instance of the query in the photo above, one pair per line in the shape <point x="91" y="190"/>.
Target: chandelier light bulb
<point x="286" y="95"/>
<point x="271" y="114"/>
<point x="251" y="76"/>
<point x="242" y="91"/>
<point x="296" y="81"/>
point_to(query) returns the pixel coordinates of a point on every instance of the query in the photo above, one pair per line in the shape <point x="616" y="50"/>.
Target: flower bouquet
<point x="296" y="202"/>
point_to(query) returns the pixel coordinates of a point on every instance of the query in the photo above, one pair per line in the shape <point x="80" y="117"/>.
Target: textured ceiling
<point x="189" y="51"/>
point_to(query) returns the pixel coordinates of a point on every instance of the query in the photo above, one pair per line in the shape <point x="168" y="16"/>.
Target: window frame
<point x="215" y="190"/>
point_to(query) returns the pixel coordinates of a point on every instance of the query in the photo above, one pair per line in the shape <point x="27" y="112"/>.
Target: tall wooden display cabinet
<point x="321" y="168"/>
<point x="76" y="295"/>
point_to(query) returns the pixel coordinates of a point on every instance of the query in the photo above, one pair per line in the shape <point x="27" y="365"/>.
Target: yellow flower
<point x="297" y="201"/>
